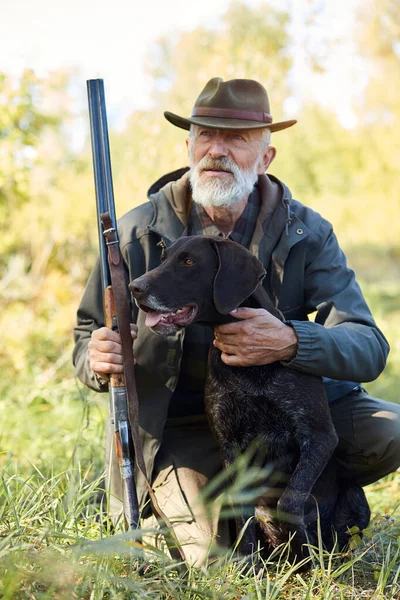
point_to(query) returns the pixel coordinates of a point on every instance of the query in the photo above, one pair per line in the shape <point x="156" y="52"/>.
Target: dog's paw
<point x="290" y="508"/>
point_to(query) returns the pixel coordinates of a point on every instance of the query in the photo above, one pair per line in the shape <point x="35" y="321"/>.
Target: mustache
<point x="215" y="192"/>
<point x="217" y="164"/>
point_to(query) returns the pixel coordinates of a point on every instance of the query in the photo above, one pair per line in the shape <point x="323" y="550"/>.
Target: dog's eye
<point x="188" y="262"/>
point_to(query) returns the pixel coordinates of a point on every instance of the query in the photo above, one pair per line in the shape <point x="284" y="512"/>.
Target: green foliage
<point x="245" y="42"/>
<point x="21" y="128"/>
<point x="149" y="147"/>
<point x="46" y="252"/>
<point x="56" y="542"/>
<point x="379" y="38"/>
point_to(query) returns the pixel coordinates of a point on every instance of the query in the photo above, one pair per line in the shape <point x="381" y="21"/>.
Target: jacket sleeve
<point x="90" y="316"/>
<point x="344" y="341"/>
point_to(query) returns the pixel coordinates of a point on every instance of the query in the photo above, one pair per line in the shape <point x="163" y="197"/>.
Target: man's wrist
<point x="290" y="349"/>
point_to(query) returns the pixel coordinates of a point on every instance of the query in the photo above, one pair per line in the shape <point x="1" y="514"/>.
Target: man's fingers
<point x="105" y="368"/>
<point x="106" y="334"/>
<point x="235" y="335"/>
<point x="106" y="357"/>
<point x="106" y="347"/>
<point x="233" y="361"/>
<point x="224" y="347"/>
<point x="250" y="314"/>
<point x="239" y="360"/>
<point x="98" y="360"/>
<point x="228" y="329"/>
<point x="105" y="350"/>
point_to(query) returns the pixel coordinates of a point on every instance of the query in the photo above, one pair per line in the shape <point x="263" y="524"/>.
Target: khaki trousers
<point x="368" y="449"/>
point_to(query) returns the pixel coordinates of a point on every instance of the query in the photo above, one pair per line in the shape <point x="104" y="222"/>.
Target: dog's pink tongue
<point x="152" y="318"/>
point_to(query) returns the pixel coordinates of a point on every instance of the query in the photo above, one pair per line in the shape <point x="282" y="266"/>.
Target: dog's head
<point x="200" y="279"/>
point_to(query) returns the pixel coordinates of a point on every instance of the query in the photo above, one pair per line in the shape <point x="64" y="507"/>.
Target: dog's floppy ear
<point x="238" y="276"/>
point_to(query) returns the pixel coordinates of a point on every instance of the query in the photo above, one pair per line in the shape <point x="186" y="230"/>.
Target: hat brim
<point x="221" y="123"/>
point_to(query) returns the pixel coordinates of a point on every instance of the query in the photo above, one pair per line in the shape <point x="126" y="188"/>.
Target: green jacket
<point x="306" y="273"/>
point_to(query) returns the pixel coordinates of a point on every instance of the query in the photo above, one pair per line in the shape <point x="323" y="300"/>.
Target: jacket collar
<point x="170" y="196"/>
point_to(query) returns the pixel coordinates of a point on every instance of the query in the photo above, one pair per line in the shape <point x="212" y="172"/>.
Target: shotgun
<point x="123" y="392"/>
<point x="106" y="223"/>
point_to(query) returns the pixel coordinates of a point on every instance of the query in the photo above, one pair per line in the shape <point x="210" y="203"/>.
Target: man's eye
<point x="205" y="133"/>
<point x="188" y="262"/>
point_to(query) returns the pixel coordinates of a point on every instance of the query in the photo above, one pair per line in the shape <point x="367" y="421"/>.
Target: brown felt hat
<point x="234" y="104"/>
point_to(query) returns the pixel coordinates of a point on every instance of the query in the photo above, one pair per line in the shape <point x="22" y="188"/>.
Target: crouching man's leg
<point x="186" y="461"/>
<point x="369" y="436"/>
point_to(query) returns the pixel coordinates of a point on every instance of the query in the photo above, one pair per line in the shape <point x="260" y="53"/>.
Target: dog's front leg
<point x="314" y="456"/>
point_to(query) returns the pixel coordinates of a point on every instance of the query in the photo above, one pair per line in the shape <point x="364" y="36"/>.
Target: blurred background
<point x="333" y="66"/>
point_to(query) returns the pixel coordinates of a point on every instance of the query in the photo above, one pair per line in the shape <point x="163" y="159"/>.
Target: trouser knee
<point x="369" y="436"/>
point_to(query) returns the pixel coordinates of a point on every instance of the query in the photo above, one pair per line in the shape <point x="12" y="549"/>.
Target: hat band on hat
<point x="231" y="113"/>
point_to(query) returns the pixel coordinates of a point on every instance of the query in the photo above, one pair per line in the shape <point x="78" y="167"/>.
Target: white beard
<point x="214" y="192"/>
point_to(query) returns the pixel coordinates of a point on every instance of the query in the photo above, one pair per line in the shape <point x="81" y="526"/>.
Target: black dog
<point x="283" y="411"/>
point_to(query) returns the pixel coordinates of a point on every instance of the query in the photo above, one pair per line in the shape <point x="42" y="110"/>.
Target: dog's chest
<point x="247" y="404"/>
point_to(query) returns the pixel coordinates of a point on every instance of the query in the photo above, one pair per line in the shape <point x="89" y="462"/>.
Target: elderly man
<point x="226" y="192"/>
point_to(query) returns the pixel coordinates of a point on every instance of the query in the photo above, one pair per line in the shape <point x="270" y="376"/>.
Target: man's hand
<point x="105" y="351"/>
<point x="258" y="338"/>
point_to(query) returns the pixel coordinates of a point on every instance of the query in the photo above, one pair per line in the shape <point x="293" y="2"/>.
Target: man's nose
<point x="218" y="147"/>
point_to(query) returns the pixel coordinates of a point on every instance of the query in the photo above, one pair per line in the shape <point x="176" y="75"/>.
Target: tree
<point x="246" y="42"/>
<point x="22" y="125"/>
<point x="379" y="108"/>
<point x="38" y="262"/>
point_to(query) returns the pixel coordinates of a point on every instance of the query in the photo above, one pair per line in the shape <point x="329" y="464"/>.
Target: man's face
<point x="225" y="164"/>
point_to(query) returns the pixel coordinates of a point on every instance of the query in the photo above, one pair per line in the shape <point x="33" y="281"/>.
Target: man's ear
<point x="238" y="276"/>
<point x="266" y="160"/>
<point x="188" y="143"/>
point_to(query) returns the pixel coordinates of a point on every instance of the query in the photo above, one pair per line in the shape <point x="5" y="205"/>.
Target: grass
<point x="56" y="542"/>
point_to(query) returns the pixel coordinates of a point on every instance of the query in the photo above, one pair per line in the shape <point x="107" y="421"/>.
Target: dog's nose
<point x="137" y="287"/>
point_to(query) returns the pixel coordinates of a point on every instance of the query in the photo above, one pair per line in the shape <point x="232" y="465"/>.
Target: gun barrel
<point x="101" y="166"/>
